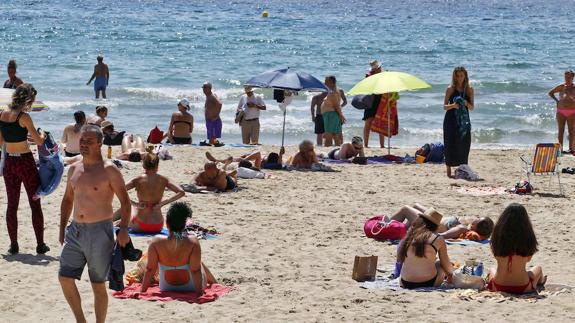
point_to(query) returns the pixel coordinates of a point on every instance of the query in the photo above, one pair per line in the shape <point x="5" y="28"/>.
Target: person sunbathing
<point x="133" y="150"/>
<point x="178" y="257"/>
<point x="254" y="159"/>
<point x="513" y="244"/>
<point x="147" y="212"/>
<point x="469" y="227"/>
<point x="418" y="252"/>
<point x="348" y="150"/>
<point x="305" y="157"/>
<point x="214" y="179"/>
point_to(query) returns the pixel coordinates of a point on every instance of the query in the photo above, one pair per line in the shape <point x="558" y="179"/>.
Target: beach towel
<point x="211" y="293"/>
<point x="480" y="190"/>
<point x="393" y="284"/>
<point x="464" y="242"/>
<point x="542" y="292"/>
<point x="381" y="122"/>
<point x="51" y="166"/>
<point x="374" y="160"/>
<point x="198" y="231"/>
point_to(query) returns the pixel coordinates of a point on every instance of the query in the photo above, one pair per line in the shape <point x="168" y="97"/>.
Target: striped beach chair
<point x="545" y="162"/>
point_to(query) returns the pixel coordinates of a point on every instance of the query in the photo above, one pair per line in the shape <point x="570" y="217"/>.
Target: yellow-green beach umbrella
<point x="386" y="82"/>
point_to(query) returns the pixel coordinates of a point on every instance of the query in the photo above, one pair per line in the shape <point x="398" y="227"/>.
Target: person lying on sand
<point x="256" y="160"/>
<point x="348" y="150"/>
<point x="513" y="244"/>
<point x="305" y="157"/>
<point x="133" y="150"/>
<point x="111" y="136"/>
<point x="147" y="212"/>
<point x="418" y="252"/>
<point x="469" y="228"/>
<point x="214" y="179"/>
<point x="178" y="257"/>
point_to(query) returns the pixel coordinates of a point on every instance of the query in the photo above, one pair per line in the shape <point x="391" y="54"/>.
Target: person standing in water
<point x="565" y="109"/>
<point x="459" y="100"/>
<point x="213" y="107"/>
<point x="331" y="113"/>
<point x="102" y="76"/>
<point x="13" y="81"/>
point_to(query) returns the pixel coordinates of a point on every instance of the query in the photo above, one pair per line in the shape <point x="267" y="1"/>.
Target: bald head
<point x="207" y="88"/>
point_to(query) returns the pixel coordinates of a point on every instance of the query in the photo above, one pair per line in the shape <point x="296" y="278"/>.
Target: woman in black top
<point x="19" y="165"/>
<point x="456" y="125"/>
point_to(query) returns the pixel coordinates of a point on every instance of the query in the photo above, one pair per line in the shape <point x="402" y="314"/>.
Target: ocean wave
<point x="508" y="87"/>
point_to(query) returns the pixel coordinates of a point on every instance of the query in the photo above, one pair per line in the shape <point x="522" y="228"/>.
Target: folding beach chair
<point x="545" y="162"/>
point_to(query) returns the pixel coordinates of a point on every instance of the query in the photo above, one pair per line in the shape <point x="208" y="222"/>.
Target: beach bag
<point x="362" y="102"/>
<point x="239" y="117"/>
<point x="156" y="135"/>
<point x="3" y="159"/>
<point x="381" y="124"/>
<point x="51" y="167"/>
<point x="364" y="268"/>
<point x="393" y="230"/>
<point x="465" y="172"/>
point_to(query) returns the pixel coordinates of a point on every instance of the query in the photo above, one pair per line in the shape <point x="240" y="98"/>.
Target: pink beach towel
<point x="153" y="293"/>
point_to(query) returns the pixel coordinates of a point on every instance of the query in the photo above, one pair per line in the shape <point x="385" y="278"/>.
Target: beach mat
<point x="211" y="293"/>
<point x="164" y="232"/>
<point x="542" y="292"/>
<point x="393" y="284"/>
<point x="464" y="242"/>
<point x="374" y="160"/>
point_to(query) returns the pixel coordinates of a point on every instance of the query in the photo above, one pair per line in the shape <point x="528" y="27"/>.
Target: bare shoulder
<point x="111" y="169"/>
<point x="193" y="240"/>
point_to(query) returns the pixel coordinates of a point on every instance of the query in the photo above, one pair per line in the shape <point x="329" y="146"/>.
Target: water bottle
<point x="109" y="152"/>
<point x="478" y="270"/>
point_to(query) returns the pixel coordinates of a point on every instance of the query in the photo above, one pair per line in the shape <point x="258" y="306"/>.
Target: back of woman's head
<point x="79" y="117"/>
<point x="12" y="64"/>
<point x="150" y="161"/>
<point x="513" y="233"/>
<point x="177" y="215"/>
<point x="417" y="236"/>
<point x="23" y="96"/>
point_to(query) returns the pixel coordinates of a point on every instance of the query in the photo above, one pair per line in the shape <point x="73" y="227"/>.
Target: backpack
<point x="156" y="136"/>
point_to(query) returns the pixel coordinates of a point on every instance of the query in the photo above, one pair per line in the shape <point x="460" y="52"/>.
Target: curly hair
<point x="177" y="215"/>
<point x="23" y="97"/>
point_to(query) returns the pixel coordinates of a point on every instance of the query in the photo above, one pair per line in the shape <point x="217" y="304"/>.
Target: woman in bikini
<point x="418" y="253"/>
<point x="178" y="256"/>
<point x="13" y="81"/>
<point x="565" y="109"/>
<point x="513" y="244"/>
<point x="147" y="212"/>
<point x="181" y="124"/>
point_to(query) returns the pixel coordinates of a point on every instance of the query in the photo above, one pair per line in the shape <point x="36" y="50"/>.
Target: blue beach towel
<point x="460" y="242"/>
<point x="164" y="232"/>
<point x="51" y="166"/>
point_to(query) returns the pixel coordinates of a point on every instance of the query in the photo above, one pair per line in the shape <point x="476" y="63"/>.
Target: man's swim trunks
<point x="100" y="83"/>
<point x="214" y="128"/>
<point x="87" y="243"/>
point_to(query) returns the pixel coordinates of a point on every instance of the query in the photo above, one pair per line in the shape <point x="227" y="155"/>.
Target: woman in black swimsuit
<point x="459" y="100"/>
<point x="13" y="81"/>
<point x="181" y="125"/>
<point x="418" y="252"/>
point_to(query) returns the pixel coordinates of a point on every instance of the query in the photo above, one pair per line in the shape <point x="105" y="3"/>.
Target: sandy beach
<point x="288" y="245"/>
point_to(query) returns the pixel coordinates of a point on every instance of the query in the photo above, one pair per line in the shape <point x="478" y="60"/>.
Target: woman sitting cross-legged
<point x="513" y="243"/>
<point x="418" y="253"/>
<point x="178" y="256"/>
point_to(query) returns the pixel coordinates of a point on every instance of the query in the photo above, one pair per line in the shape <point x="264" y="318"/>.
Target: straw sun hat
<point x="433" y="216"/>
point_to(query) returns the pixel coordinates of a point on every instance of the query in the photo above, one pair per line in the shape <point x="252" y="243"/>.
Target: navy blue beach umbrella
<point x="287" y="79"/>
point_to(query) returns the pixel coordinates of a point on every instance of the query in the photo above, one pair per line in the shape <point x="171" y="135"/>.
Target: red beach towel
<point x="153" y="293"/>
<point x="380" y="121"/>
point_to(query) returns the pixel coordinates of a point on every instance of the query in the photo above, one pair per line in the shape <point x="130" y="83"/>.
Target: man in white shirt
<point x="251" y="105"/>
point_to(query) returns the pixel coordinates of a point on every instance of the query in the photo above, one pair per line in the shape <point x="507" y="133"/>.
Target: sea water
<point x="160" y="51"/>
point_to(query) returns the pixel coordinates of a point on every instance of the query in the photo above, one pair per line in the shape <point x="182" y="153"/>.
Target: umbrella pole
<point x="284" y="126"/>
<point x="388" y="125"/>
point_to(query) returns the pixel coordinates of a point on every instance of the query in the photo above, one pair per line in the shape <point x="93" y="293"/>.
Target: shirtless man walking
<point x="213" y="107"/>
<point x="89" y="239"/>
<point x="565" y="109"/>
<point x="102" y="76"/>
